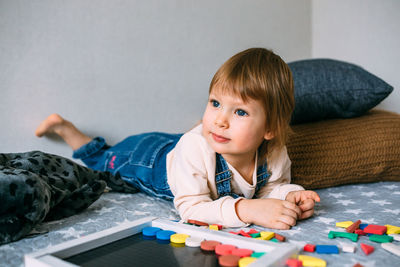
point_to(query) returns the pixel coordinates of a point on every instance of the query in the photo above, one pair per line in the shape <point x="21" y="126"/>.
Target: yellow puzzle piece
<point x="344" y="224"/>
<point x="312" y="261"/>
<point x="267" y="235"/>
<point x="213" y="227"/>
<point x="391" y="229"/>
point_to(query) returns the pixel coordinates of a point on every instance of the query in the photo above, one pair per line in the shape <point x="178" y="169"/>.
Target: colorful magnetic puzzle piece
<point x="348" y="248"/>
<point x="353" y="237"/>
<point x="257" y="254"/>
<point x="367" y="248"/>
<point x="198" y="223"/>
<point x="281" y="238"/>
<point x="252" y="231"/>
<point x="353" y="227"/>
<point x="243" y="233"/>
<point x="294" y="263"/>
<point x="375" y="229"/>
<point x="213" y="227"/>
<point x="327" y="249"/>
<point x="309" y="248"/>
<point x="242" y="252"/>
<point x="267" y="235"/>
<point x="312" y="261"/>
<point x="344" y="224"/>
<point x="255" y="235"/>
<point x="381" y="238"/>
<point x="391" y="229"/>
<point x="359" y="232"/>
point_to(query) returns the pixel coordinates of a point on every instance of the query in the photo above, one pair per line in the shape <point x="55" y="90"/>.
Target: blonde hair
<point x="261" y="75"/>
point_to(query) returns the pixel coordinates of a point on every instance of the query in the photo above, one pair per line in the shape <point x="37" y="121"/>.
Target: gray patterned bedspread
<point x="376" y="203"/>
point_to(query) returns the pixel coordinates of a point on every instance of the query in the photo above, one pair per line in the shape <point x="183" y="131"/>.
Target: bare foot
<point x="50" y="125"/>
<point x="55" y="124"/>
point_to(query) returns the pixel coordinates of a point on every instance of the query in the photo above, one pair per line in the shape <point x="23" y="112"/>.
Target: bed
<point x="374" y="203"/>
<point x="341" y="148"/>
<point x="368" y="190"/>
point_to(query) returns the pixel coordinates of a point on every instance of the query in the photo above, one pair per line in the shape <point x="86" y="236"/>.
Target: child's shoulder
<point x="278" y="156"/>
<point x="193" y="147"/>
<point x="194" y="140"/>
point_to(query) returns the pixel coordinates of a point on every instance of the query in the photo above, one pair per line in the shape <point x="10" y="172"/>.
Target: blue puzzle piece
<point x="164" y="235"/>
<point x="150" y="231"/>
<point x="363" y="225"/>
<point x="327" y="249"/>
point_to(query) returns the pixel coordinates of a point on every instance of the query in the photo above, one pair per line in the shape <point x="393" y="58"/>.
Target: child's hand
<point x="305" y="201"/>
<point x="269" y="212"/>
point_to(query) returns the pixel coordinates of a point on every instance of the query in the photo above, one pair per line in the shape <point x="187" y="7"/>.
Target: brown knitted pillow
<point x="344" y="151"/>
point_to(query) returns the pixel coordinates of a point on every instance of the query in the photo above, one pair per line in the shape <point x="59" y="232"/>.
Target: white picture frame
<point x="276" y="253"/>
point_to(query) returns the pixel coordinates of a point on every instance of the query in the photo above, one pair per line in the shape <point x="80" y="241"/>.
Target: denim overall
<point x="223" y="176"/>
<point x="141" y="162"/>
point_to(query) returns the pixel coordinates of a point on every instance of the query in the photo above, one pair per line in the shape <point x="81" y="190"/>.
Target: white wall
<point x="365" y="32"/>
<point x="121" y="67"/>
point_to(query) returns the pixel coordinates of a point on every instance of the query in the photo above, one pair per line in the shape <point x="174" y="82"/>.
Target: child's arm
<point x="271" y="213"/>
<point x="305" y="200"/>
<point x="191" y="170"/>
<point x="278" y="184"/>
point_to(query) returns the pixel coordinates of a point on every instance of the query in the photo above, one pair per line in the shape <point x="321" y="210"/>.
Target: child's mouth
<point x="219" y="139"/>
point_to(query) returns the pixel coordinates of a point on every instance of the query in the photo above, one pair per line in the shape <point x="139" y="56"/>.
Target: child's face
<point x="232" y="127"/>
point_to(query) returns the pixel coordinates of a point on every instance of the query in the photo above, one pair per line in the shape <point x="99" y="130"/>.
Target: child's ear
<point x="268" y="135"/>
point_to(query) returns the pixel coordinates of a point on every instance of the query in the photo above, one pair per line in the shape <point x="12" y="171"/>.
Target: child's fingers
<point x="316" y="197"/>
<point x="313" y="195"/>
<point x="288" y="220"/>
<point x="307" y="214"/>
<point x="291" y="213"/>
<point x="280" y="225"/>
<point x="310" y="195"/>
<point x="307" y="205"/>
<point x="293" y="207"/>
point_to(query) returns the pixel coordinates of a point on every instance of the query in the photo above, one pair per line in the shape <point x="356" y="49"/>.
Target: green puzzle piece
<point x="353" y="237"/>
<point x="381" y="238"/>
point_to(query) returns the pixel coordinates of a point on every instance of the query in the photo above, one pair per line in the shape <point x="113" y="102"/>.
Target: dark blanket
<point x="36" y="186"/>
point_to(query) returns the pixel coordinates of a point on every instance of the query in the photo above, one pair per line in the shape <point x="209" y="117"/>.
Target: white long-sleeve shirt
<point x="191" y="177"/>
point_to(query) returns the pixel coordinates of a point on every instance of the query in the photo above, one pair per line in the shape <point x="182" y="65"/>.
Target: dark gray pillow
<point x="326" y="88"/>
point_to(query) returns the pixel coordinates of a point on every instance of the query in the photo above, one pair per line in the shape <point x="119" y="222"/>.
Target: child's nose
<point x="222" y="120"/>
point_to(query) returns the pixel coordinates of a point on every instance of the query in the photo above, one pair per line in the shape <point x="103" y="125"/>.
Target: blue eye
<point x="241" y="112"/>
<point x="215" y="103"/>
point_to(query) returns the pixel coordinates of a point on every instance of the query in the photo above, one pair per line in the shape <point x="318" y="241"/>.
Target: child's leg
<point x="55" y="124"/>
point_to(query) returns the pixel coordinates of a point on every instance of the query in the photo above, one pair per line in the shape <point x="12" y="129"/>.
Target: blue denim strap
<point x="262" y="176"/>
<point x="223" y="176"/>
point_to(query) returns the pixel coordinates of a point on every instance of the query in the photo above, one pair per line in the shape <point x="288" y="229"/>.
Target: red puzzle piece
<point x="280" y="237"/>
<point x="294" y="263"/>
<point x="243" y="233"/>
<point x="359" y="232"/>
<point x="375" y="229"/>
<point x="309" y="248"/>
<point x="252" y="231"/>
<point x="367" y="248"/>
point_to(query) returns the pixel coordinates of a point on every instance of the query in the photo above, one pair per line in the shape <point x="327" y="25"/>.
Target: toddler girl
<point x="232" y="169"/>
